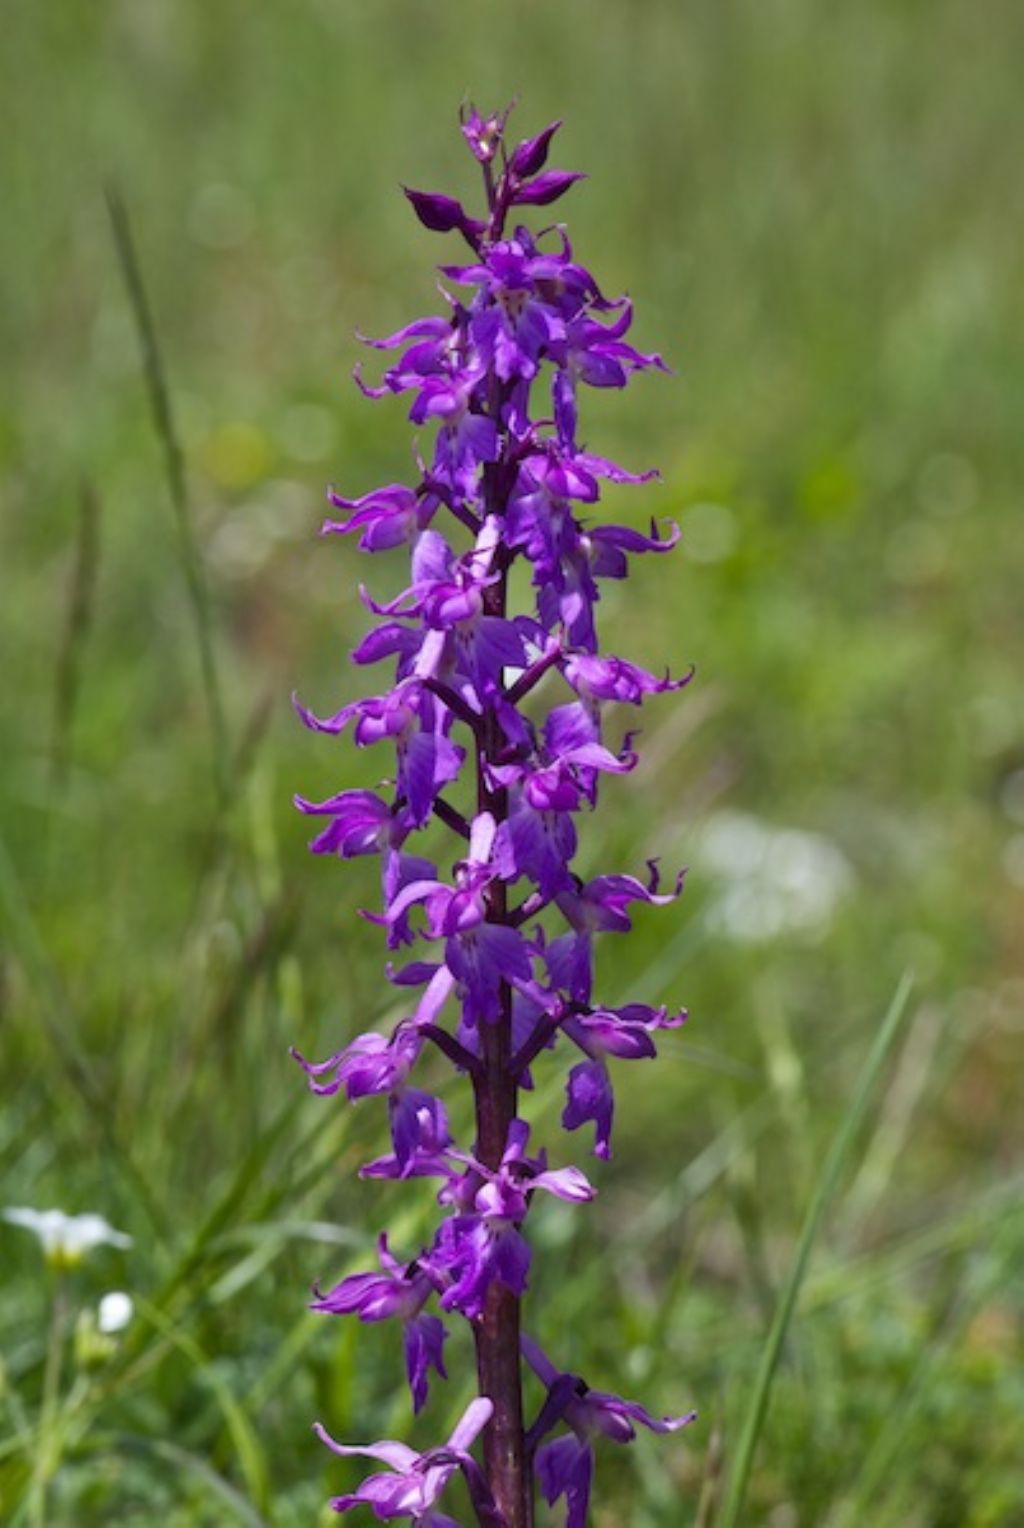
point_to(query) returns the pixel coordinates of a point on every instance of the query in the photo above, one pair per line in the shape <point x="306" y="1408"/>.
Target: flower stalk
<point x="511" y="930"/>
<point x="497" y="1333"/>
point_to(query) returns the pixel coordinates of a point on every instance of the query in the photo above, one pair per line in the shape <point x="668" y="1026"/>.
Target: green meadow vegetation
<point x="812" y="1227"/>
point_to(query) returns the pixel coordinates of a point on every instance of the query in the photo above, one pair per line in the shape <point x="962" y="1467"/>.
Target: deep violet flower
<point x="416" y="1480"/>
<point x="500" y="726"/>
<point x="483" y="1245"/>
<point x="399" y="1290"/>
<point x="565" y="1467"/>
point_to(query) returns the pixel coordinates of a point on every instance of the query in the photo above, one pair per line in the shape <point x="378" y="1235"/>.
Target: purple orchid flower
<point x="483" y="134"/>
<point x="484" y="1245"/>
<point x="479" y="954"/>
<point x="385" y="518"/>
<point x="416" y="1481"/>
<point x="599" y="679"/>
<point x="565" y="1467"/>
<point x="372" y="1064"/>
<point x="624" y="1033"/>
<point x="497" y="722"/>
<point x="426" y="757"/>
<point x="597" y="354"/>
<point x="399" y="1290"/>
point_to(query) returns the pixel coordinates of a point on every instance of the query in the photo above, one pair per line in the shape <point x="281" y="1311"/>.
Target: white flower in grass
<point x="115" y="1311"/>
<point x="66" y="1239"/>
<point x="773" y="881"/>
<point x="97" y="1330"/>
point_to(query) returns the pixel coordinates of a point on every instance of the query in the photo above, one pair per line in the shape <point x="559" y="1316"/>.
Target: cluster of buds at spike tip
<point x="509" y="929"/>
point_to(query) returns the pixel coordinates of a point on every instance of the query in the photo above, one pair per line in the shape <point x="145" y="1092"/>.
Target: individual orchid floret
<point x="386" y="518"/>
<point x="373" y="1064"/>
<point x="538" y="839"/>
<point x="361" y="823"/>
<point x="597" y="354"/>
<point x="415" y="723"/>
<point x="598" y="906"/>
<point x="600" y="679"/>
<point x="610" y="545"/>
<point x="479" y="954"/>
<point x="415" y="1481"/>
<point x="432" y="347"/>
<point x="400" y="1290"/>
<point x="468" y="438"/>
<point x="565" y="1467"/>
<point x="591" y="1100"/>
<point x="484" y="1245"/>
<point x="458" y="643"/>
<point x="484" y="134"/>
<point x="624" y="1033"/>
<point x="511" y="323"/>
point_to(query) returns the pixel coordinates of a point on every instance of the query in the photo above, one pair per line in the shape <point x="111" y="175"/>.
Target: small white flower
<point x="66" y="1239"/>
<point x="115" y="1311"/>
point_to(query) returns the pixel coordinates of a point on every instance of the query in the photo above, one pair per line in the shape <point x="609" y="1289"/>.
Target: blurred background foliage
<point x="818" y="211"/>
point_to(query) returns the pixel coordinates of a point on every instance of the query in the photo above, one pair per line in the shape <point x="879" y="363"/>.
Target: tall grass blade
<point x="163" y="421"/>
<point x="77" y="620"/>
<point x="823" y="1193"/>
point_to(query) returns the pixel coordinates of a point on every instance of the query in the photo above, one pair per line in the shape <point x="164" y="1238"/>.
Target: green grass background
<point x="818" y="211"/>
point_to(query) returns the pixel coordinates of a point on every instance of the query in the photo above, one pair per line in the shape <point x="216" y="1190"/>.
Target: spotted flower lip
<point x="500" y="724"/>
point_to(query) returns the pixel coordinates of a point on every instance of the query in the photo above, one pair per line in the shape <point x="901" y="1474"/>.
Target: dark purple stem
<point x="527" y="910"/>
<point x="451" y="818"/>
<point x="496" y="1094"/>
<point x="565" y="1390"/>
<point x="467" y="517"/>
<point x="455" y="703"/>
<point x="546" y="1028"/>
<point x="451" y="1048"/>
<point x="533" y="675"/>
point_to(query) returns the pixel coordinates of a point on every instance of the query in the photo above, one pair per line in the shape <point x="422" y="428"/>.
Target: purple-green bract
<point x="508" y="972"/>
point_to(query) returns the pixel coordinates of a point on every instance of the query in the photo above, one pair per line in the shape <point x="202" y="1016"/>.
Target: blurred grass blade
<point x="163" y="420"/>
<point x="822" y="1197"/>
<point x="77" y="620"/>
